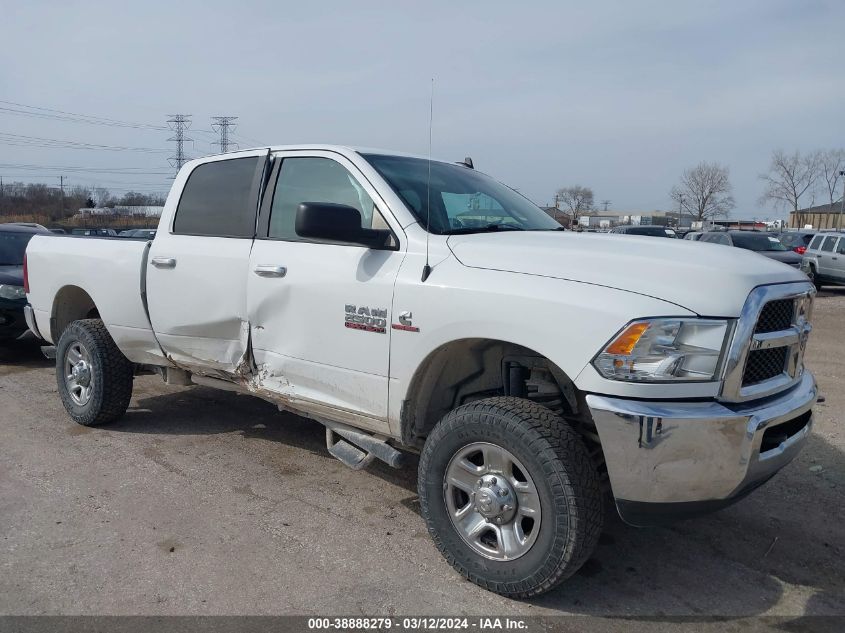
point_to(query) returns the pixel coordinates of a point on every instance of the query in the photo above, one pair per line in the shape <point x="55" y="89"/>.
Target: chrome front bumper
<point x="669" y="460"/>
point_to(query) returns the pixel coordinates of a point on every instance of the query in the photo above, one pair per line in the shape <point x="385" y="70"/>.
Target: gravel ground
<point x="206" y="502"/>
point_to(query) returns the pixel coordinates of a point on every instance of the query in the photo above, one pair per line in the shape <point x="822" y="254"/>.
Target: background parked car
<point x="648" y="230"/>
<point x="763" y="243"/>
<point x="797" y="240"/>
<point x="146" y="234"/>
<point x="824" y="259"/>
<point x="95" y="232"/>
<point x="13" y="241"/>
<point x="693" y="235"/>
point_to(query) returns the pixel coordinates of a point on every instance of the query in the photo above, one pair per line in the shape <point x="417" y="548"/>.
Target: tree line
<point x="793" y="181"/>
<point x="38" y="199"/>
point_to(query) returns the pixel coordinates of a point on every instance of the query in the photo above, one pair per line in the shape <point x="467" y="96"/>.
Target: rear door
<point x="197" y="267"/>
<point x="826" y="256"/>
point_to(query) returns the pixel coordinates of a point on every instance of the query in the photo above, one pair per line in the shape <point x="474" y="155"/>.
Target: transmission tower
<point x="179" y="123"/>
<point x="222" y="125"/>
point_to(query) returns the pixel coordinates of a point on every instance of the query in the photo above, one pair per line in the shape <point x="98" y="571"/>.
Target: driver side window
<point x="316" y="179"/>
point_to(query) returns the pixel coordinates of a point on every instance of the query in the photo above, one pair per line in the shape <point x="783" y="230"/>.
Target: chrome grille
<point x="767" y="352"/>
<point x="776" y="315"/>
<point x="764" y="364"/>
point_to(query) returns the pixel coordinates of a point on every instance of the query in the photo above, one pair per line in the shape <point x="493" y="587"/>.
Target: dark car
<point x="13" y="241"/>
<point x="95" y="232"/>
<point x="757" y="241"/>
<point x="798" y="241"/>
<point x="648" y="230"/>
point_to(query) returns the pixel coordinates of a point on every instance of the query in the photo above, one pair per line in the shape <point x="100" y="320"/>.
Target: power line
<point x="179" y="123"/>
<point x="129" y="171"/>
<point x="223" y="124"/>
<point x="61" y="115"/>
<point x="21" y="140"/>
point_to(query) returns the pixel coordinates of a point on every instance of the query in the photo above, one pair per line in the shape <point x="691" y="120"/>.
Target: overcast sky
<point x="621" y="96"/>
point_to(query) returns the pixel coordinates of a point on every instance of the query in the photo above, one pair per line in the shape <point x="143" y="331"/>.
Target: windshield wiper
<point x="490" y="228"/>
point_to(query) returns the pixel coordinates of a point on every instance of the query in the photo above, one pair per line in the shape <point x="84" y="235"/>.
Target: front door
<point x="838" y="266"/>
<point x="197" y="267"/>
<point x="320" y="311"/>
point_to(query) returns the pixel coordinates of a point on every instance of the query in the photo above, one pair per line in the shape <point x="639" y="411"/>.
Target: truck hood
<point x="11" y="275"/>
<point x="708" y="279"/>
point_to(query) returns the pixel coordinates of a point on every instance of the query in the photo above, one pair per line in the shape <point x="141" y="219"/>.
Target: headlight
<point x="665" y="350"/>
<point x="11" y="292"/>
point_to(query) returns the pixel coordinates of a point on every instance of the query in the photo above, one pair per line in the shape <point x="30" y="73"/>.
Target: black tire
<point x="814" y="277"/>
<point x="564" y="476"/>
<point x="111" y="374"/>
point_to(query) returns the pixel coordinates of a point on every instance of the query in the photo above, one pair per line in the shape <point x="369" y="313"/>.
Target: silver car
<point x="824" y="259"/>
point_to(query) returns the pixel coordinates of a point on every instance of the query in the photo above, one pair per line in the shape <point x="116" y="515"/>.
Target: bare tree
<point x="578" y="200"/>
<point x="103" y="197"/>
<point x="705" y="191"/>
<point x="790" y="176"/>
<point x="831" y="162"/>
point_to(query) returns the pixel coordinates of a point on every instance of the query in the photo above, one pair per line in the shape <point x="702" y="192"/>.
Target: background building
<point x="823" y="216"/>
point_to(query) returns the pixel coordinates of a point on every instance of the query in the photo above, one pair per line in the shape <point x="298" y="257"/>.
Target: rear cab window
<point x="218" y="199"/>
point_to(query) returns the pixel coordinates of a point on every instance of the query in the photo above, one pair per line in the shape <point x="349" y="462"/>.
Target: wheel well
<point x="471" y="369"/>
<point x="71" y="304"/>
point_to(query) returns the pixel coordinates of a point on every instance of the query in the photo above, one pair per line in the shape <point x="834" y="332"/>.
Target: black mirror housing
<point x="337" y="223"/>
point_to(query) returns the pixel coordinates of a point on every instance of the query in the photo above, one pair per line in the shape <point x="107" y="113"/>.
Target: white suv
<point x="824" y="259"/>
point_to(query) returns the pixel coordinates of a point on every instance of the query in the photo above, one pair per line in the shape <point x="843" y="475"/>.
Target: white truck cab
<point x="417" y="305"/>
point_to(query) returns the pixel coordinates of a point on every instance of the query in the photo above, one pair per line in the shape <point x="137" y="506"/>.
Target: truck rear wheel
<point x="510" y="495"/>
<point x="94" y="377"/>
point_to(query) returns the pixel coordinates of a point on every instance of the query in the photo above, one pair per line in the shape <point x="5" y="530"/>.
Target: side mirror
<point x="338" y="223"/>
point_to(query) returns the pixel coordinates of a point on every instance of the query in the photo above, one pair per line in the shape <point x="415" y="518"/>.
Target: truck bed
<point x="108" y="271"/>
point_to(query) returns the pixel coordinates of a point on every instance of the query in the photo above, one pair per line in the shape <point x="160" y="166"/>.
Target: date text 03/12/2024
<point x="418" y="623"/>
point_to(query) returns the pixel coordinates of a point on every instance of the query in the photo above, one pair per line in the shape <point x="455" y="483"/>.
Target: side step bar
<point x="357" y="449"/>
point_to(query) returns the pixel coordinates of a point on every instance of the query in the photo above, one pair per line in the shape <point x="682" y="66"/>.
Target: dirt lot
<point x="205" y="502"/>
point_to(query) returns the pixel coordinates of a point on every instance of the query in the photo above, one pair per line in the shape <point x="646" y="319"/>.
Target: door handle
<point x="270" y="271"/>
<point x="163" y="262"/>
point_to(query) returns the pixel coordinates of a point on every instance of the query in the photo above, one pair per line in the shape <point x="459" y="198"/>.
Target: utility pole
<point x="62" y="187"/>
<point x="222" y="125"/>
<point x="842" y="206"/>
<point x="681" y="210"/>
<point x="179" y="123"/>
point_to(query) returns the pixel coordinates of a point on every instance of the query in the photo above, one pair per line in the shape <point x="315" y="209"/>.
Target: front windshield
<point x="13" y="247"/>
<point x="757" y="242"/>
<point x="462" y="199"/>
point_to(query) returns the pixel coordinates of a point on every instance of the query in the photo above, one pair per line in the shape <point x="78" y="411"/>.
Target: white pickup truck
<point x="416" y="305"/>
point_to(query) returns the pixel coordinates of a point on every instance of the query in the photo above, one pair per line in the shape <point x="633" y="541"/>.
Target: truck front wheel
<point x="93" y="376"/>
<point x="510" y="495"/>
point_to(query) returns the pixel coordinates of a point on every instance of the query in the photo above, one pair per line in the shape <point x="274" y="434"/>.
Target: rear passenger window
<point x="828" y="244"/>
<point x="216" y="200"/>
<point x="817" y="242"/>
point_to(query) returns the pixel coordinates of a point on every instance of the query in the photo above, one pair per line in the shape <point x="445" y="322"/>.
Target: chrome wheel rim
<point x="492" y="501"/>
<point x="79" y="377"/>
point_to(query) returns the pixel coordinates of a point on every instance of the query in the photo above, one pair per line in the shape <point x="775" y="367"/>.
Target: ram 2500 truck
<point x="416" y="305"/>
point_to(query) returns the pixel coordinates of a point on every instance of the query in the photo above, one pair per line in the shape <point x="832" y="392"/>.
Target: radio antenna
<point x="427" y="268"/>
